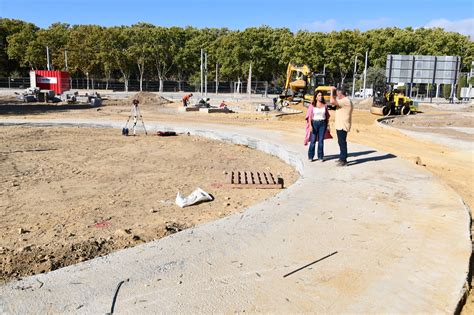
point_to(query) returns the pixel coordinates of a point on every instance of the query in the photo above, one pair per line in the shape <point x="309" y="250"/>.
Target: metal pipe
<point x="202" y="70"/>
<point x="411" y="77"/>
<point x="434" y="78"/>
<point x="354" y="76"/>
<point x="217" y="78"/>
<point x="205" y="73"/>
<point x="65" y="59"/>
<point x="47" y="58"/>
<point x="365" y="69"/>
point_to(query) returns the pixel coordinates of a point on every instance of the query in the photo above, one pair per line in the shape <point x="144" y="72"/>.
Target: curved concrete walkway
<point x="402" y="239"/>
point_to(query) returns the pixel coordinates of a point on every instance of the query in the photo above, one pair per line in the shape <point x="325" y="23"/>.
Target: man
<point x="343" y="120"/>
<point x="186" y="99"/>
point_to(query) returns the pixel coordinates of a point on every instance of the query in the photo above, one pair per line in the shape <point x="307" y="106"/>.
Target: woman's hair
<point x="315" y="99"/>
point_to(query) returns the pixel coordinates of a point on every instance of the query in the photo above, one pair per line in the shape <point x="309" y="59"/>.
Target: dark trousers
<point x="319" y="129"/>
<point x="342" y="141"/>
<point x="185" y="103"/>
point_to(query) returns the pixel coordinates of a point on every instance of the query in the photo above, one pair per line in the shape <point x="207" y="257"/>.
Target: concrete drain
<point x="261" y="180"/>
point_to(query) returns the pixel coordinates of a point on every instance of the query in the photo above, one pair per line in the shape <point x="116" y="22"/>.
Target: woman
<point x="317" y="119"/>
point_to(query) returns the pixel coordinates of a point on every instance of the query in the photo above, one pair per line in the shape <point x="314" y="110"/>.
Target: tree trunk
<point x="343" y="78"/>
<point x="161" y="85"/>
<point x="126" y="76"/>
<point x="141" y="70"/>
<point x="107" y="79"/>
<point x="180" y="78"/>
<point x="87" y="79"/>
<point x="160" y="76"/>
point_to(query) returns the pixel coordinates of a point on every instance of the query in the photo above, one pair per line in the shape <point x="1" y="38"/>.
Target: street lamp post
<point x="354" y="76"/>
<point x="365" y="70"/>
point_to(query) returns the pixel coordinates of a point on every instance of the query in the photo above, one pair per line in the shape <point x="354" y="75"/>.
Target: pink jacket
<point x="308" y="118"/>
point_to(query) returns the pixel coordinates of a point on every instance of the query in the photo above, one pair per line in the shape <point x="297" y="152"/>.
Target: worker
<point x="343" y="121"/>
<point x="186" y="99"/>
<point x="223" y="105"/>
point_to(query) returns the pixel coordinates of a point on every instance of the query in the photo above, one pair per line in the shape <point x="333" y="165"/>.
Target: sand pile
<point x="363" y="104"/>
<point x="149" y="98"/>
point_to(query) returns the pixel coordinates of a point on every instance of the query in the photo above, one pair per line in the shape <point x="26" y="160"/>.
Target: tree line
<point x="146" y="51"/>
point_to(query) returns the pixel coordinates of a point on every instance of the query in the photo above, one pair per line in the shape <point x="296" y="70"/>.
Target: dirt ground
<point x="69" y="194"/>
<point x="453" y="166"/>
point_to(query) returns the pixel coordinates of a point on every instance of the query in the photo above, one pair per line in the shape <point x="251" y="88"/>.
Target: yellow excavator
<point x="301" y="83"/>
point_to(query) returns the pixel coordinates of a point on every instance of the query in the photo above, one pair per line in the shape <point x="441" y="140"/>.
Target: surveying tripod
<point x="136" y="114"/>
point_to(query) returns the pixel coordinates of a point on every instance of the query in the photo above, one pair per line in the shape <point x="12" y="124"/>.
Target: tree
<point x="106" y="54"/>
<point x="82" y="46"/>
<point x="446" y="91"/>
<point x="462" y="83"/>
<point x="24" y="47"/>
<point x="200" y="39"/>
<point x="124" y="60"/>
<point x="341" y="48"/>
<point x="9" y="27"/>
<point x="165" y="42"/>
<point x="55" y="38"/>
<point x="141" y="43"/>
<point x="183" y="63"/>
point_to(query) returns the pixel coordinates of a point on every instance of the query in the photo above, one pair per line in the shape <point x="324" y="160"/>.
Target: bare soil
<point x="454" y="167"/>
<point x="70" y="194"/>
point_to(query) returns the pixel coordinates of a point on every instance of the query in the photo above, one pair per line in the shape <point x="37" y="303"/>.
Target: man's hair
<point x="343" y="90"/>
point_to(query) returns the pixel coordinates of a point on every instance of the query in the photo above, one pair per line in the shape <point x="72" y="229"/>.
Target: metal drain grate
<point x="240" y="179"/>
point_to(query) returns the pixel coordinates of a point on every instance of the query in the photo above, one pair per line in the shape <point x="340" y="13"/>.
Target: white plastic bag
<point x="196" y="196"/>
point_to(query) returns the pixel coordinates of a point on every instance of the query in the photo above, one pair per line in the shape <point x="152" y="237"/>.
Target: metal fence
<point x="258" y="87"/>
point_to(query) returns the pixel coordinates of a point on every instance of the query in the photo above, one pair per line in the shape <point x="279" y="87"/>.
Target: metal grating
<point x="262" y="180"/>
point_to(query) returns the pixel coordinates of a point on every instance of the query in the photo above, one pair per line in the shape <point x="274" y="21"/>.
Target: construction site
<point x="74" y="189"/>
<point x="171" y="194"/>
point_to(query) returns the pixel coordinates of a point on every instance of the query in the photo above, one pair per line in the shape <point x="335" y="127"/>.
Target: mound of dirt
<point x="149" y="98"/>
<point x="363" y="104"/>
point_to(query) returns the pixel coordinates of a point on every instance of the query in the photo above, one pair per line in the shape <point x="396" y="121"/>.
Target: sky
<point x="316" y="15"/>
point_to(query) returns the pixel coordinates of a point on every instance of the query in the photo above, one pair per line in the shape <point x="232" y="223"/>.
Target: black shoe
<point x="341" y="163"/>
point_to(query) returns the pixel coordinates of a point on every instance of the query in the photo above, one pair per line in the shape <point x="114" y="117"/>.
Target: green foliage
<point x="146" y="50"/>
<point x="471" y="81"/>
<point x="462" y="83"/>
<point x="9" y="27"/>
<point x="446" y="91"/>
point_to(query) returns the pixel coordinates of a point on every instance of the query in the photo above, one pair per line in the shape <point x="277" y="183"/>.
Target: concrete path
<point x="402" y="240"/>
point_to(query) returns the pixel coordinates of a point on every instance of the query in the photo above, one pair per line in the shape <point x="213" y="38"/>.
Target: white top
<point x="319" y="113"/>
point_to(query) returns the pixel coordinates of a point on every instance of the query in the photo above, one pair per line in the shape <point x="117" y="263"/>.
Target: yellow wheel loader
<point x="388" y="101"/>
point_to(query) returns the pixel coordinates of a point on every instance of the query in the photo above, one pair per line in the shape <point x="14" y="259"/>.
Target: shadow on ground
<point x="361" y="160"/>
<point x="371" y="159"/>
<point x="350" y="154"/>
<point x="35" y="109"/>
